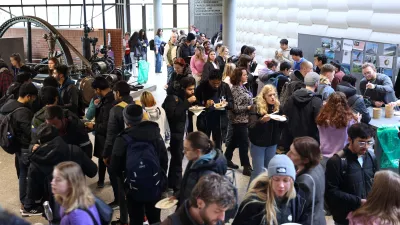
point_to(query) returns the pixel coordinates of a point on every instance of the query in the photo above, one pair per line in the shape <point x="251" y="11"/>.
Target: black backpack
<point x="288" y="89"/>
<point x="343" y="160"/>
<point x="145" y="178"/>
<point x="7" y="133"/>
<point x="151" y="44"/>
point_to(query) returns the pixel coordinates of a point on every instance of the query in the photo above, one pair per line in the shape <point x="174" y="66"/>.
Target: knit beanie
<point x="281" y="165"/>
<point x="133" y="114"/>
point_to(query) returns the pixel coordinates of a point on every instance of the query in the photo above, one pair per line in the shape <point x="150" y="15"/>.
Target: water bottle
<point x="47" y="211"/>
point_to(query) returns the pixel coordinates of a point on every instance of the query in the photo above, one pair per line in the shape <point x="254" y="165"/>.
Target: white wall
<point x="262" y="23"/>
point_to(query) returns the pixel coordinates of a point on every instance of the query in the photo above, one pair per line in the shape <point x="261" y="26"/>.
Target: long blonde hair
<point x="221" y="50"/>
<point x="261" y="187"/>
<point x="202" y="56"/>
<point x="79" y="194"/>
<point x="262" y="106"/>
<point x="228" y="70"/>
<point x="383" y="200"/>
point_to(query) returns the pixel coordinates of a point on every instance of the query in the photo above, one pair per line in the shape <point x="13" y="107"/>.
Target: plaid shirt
<point x="5" y="81"/>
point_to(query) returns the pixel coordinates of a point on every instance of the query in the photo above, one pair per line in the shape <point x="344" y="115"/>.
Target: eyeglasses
<point x="365" y="143"/>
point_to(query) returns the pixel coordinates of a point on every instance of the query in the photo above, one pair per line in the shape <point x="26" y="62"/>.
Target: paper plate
<point x="196" y="108"/>
<point x="219" y="106"/>
<point x="166" y="203"/>
<point x="278" y="118"/>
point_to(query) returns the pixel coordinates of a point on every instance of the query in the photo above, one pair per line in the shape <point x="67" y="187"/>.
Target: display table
<point x="382" y="122"/>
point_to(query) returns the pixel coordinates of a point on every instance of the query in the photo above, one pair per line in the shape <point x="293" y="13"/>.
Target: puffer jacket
<point x="158" y="115"/>
<point x="344" y="191"/>
<point x="356" y="102"/>
<point x="213" y="162"/>
<point x="242" y="99"/>
<point x="252" y="212"/>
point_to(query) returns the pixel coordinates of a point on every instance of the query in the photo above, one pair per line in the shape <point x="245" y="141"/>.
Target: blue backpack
<point x="145" y="178"/>
<point x="274" y="80"/>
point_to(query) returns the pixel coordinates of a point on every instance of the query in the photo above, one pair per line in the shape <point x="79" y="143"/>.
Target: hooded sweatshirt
<point x="157" y="114"/>
<point x="296" y="76"/>
<point x="301" y="110"/>
<point x="356" y="102"/>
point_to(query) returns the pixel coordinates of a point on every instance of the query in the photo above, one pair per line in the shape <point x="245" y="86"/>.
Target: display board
<point x="10" y="46"/>
<point x="353" y="53"/>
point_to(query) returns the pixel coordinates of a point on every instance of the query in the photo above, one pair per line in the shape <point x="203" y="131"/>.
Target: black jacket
<point x="100" y="127"/>
<point x="207" y="68"/>
<point x="186" y="52"/>
<point x="281" y="80"/>
<point x="145" y="131"/>
<point x="383" y="89"/>
<point x="195" y="170"/>
<point x="115" y="125"/>
<point x="205" y="92"/>
<point x="69" y="96"/>
<point x="344" y="191"/>
<point x="302" y="109"/>
<point x="296" y="76"/>
<point x="20" y="121"/>
<point x="252" y="212"/>
<point x="221" y="63"/>
<point x="356" y="102"/>
<point x="263" y="134"/>
<point x="306" y="184"/>
<point x="173" y="83"/>
<point x="176" y="107"/>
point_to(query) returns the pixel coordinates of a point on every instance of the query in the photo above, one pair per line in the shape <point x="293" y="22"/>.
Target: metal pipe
<point x="104" y="25"/>
<point x="29" y="41"/>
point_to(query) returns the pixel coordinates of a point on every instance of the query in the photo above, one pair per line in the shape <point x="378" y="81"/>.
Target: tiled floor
<point x="9" y="183"/>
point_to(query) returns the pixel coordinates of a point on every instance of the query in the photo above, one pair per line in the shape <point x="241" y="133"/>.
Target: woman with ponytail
<point x="333" y="120"/>
<point x="203" y="159"/>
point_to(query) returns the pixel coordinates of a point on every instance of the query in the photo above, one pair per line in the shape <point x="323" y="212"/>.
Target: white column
<point x="157" y="15"/>
<point x="229" y="24"/>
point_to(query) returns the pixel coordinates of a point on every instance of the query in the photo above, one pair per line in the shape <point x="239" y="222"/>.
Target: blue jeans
<point x="170" y="70"/>
<point x="158" y="62"/>
<point x="260" y="157"/>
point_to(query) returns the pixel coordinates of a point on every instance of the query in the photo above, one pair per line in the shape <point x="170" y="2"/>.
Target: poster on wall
<point x="371" y="48"/>
<point x="346" y="68"/>
<point x="370" y="59"/>
<point x="326" y="42"/>
<point x="336" y="44"/>
<point x="346" y="57"/>
<point x="387" y="72"/>
<point x="386" y="62"/>
<point x="389" y="49"/>
<point x="329" y="54"/>
<point x="357" y="56"/>
<point x="359" y="45"/>
<point x="319" y="51"/>
<point x="347" y="45"/>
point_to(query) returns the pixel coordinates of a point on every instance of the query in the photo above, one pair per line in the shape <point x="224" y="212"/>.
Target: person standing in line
<point x="127" y="51"/>
<point x="228" y="73"/>
<point x="144" y="43"/>
<point x="339" y="74"/>
<point x="264" y="132"/>
<point x="239" y="117"/>
<point x="52" y="63"/>
<point x="135" y="51"/>
<point x="16" y="64"/>
<point x="69" y="93"/>
<point x="327" y="73"/>
<point x="186" y="50"/>
<point x="278" y="78"/>
<point x="197" y="63"/>
<point x="176" y="105"/>
<point x="222" y="58"/>
<point x="6" y="78"/>
<point x="74" y="196"/>
<point x="207" y="46"/>
<point x="333" y="121"/>
<point x="157" y="45"/>
<point x="283" y="53"/>
<point x="170" y="55"/>
<point x="310" y="175"/>
<point x="272" y="198"/>
<point x="349" y="174"/>
<point x="297" y="56"/>
<point x="383" y="202"/>
<point x="181" y="70"/>
<point x="210" y="65"/>
<point x="319" y="61"/>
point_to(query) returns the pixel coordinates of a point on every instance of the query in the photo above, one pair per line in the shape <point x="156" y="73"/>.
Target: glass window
<point x="15" y="2"/>
<point x="29" y="11"/>
<point x="136" y="17"/>
<point x="111" y="20"/>
<point x="149" y="18"/>
<point x="183" y="16"/>
<point x="32" y="2"/>
<point x="168" y="16"/>
<point x="76" y="12"/>
<point x="16" y="11"/>
<point x="64" y="15"/>
<point x="52" y="13"/>
<point x="77" y="2"/>
<point x="182" y="1"/>
<point x="58" y="2"/>
<point x="97" y="17"/>
<point x="4" y="16"/>
<point x="41" y="12"/>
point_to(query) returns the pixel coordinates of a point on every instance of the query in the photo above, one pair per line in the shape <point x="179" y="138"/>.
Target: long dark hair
<point x="199" y="140"/>
<point x="134" y="40"/>
<point x="144" y="36"/>
<point x="159" y="31"/>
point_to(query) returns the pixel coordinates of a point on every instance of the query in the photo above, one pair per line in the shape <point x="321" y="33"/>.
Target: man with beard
<point x="68" y="92"/>
<point x="212" y="196"/>
<point x="176" y="107"/>
<point x="216" y="96"/>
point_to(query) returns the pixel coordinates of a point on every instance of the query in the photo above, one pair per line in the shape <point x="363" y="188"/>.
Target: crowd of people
<point x="327" y="165"/>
